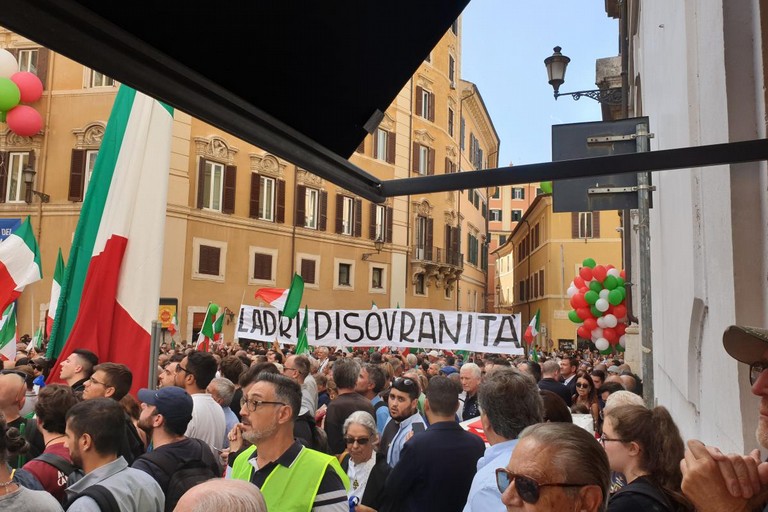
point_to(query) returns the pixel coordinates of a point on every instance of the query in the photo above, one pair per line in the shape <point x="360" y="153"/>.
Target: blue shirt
<point x="382" y="414"/>
<point x="393" y="455"/>
<point x="231" y="420"/>
<point x="484" y="494"/>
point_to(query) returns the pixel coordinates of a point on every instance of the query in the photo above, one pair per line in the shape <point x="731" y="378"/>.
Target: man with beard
<point x="165" y="414"/>
<point x="94" y="430"/>
<point x="289" y="475"/>
<point x="405" y="417"/>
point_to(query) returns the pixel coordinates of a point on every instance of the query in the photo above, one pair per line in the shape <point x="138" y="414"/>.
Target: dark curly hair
<point x="11" y="441"/>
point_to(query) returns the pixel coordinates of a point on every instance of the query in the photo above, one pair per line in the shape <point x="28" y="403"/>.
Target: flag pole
<point x="154" y="348"/>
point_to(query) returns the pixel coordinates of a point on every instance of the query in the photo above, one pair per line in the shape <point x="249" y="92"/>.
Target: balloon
<point x="574" y="317"/>
<point x="604" y="293"/>
<point x="596" y="286"/>
<point x="9" y="94"/>
<point x="579" y="282"/>
<point x="623" y="274"/>
<point x="601" y="323"/>
<point x="621" y="329"/>
<point x="615" y="296"/>
<point x="601" y="305"/>
<point x="546" y="187"/>
<point x="623" y="341"/>
<point x="591" y="297"/>
<point x="578" y="301"/>
<point x="619" y="347"/>
<point x="614" y="272"/>
<point x="610" y="335"/>
<point x="584" y="272"/>
<point x="572" y="290"/>
<point x="599" y="272"/>
<point x="589" y="262"/>
<point x="595" y="312"/>
<point x="24" y="120"/>
<point x="583" y="313"/>
<point x="590" y="323"/>
<point x="30" y="87"/>
<point x="610" y="321"/>
<point x="621" y="281"/>
<point x="8" y="64"/>
<point x="597" y="333"/>
<point x="602" y="344"/>
<point x="213" y="308"/>
<point x="610" y="282"/>
<point x="583" y="332"/>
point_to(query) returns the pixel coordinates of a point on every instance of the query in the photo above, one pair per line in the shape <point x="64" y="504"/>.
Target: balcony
<point x="438" y="266"/>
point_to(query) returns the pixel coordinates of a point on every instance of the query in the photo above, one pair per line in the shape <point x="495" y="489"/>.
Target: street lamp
<point x="556" y="65"/>
<point x="28" y="174"/>
<point x="378" y="244"/>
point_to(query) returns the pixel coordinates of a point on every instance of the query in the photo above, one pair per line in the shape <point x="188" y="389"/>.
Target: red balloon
<point x="584" y="313"/>
<point x="620" y="311"/>
<point x="586" y="273"/>
<point x="623" y="274"/>
<point x="599" y="272"/>
<point x="579" y="282"/>
<point x="609" y="267"/>
<point x="24" y="120"/>
<point x="610" y="334"/>
<point x="583" y="290"/>
<point x="583" y="332"/>
<point x="578" y="301"/>
<point x="590" y="324"/>
<point x="620" y="329"/>
<point x="30" y="87"/>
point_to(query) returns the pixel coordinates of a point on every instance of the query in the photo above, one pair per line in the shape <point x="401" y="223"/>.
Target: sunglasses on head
<point x="406" y="383"/>
<point x="527" y="488"/>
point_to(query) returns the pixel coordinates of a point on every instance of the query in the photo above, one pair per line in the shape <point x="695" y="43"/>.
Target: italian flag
<point x="58" y="276"/>
<point x="19" y="263"/>
<point x="8" y="333"/>
<point x="174" y="324"/>
<point x="111" y="286"/>
<point x="212" y="327"/>
<point x="533" y="328"/>
<point x="302" y="345"/>
<point x="286" y="300"/>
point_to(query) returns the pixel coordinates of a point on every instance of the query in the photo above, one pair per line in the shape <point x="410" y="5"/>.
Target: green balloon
<point x="213" y="308"/>
<point x="621" y="281"/>
<point x="619" y="348"/>
<point x="595" y="312"/>
<point x="588" y="262"/>
<point x="591" y="296"/>
<point x="9" y="94"/>
<point x="607" y="351"/>
<point x="623" y="292"/>
<point x="615" y="296"/>
<point x="546" y="187"/>
<point x="610" y="283"/>
<point x="574" y="317"/>
<point x="2" y="117"/>
<point x="595" y="286"/>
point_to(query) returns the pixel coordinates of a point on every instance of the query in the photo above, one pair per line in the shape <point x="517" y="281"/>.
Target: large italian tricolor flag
<point x="111" y="286"/>
<point x="19" y="263"/>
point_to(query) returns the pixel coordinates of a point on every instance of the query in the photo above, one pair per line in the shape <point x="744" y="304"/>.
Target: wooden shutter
<point x="431" y="162"/>
<point x="3" y="175"/>
<point x="415" y="159"/>
<point x="574" y="224"/>
<point x="200" y="183"/>
<point x="255" y="196"/>
<point x="262" y="266"/>
<point x="431" y="107"/>
<point x="447" y="243"/>
<point x="388" y="220"/>
<point x="595" y="224"/>
<point x="308" y="271"/>
<point x="339" y="213"/>
<point x="361" y="146"/>
<point x="230" y="180"/>
<point x="391" y="147"/>
<point x="372" y="222"/>
<point x="76" y="176"/>
<point x="42" y="65"/>
<point x="447" y="165"/>
<point x="358" y="210"/>
<point x="419" y="100"/>
<point x="375" y="137"/>
<point x="280" y="202"/>
<point x="429" y="240"/>
<point x="301" y="204"/>
<point x="323" y="210"/>
<point x="209" y="260"/>
<point x="541" y="283"/>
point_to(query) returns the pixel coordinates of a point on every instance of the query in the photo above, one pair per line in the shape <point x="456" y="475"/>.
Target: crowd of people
<point x="255" y="428"/>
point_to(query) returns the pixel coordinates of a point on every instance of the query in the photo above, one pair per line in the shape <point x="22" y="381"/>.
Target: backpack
<point x="101" y="495"/>
<point x="133" y="445"/>
<point x="57" y="461"/>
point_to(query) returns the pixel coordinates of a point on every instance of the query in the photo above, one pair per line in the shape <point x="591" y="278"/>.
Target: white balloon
<point x="614" y="272"/>
<point x="604" y="293"/>
<point x="8" y="63"/>
<point x="602" y="305"/>
<point x="597" y="333"/>
<point x="610" y="321"/>
<point x="572" y="291"/>
<point x="601" y="323"/>
<point x="602" y="344"/>
<point x="623" y="341"/>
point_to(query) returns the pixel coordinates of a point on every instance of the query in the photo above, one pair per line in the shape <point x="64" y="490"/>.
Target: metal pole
<point x="154" y="349"/>
<point x="644" y="241"/>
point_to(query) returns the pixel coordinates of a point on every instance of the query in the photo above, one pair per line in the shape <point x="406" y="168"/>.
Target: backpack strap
<point x="56" y="461"/>
<point x="101" y="495"/>
<point x="379" y="405"/>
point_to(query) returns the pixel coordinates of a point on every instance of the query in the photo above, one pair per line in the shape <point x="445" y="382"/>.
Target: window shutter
<point x="431" y="163"/>
<point x="391" y="147"/>
<point x="431" y="106"/>
<point x="419" y="100"/>
<point x="323" y="209"/>
<point x="447" y="243"/>
<point x="388" y="219"/>
<point x="255" y="195"/>
<point x="447" y="165"/>
<point x="262" y="266"/>
<point x="415" y="159"/>
<point x="574" y="224"/>
<point x="76" y="176"/>
<point x="361" y="146"/>
<point x="375" y="137"/>
<point x="358" y="231"/>
<point x="301" y="215"/>
<point x="42" y="65"/>
<point x="339" y="213"/>
<point x="3" y="175"/>
<point x="209" y="260"/>
<point x="429" y="240"/>
<point x="372" y="222"/>
<point x="596" y="224"/>
<point x="200" y="181"/>
<point x="280" y="200"/>
<point x="541" y="283"/>
<point x="308" y="271"/>
<point x="230" y="180"/>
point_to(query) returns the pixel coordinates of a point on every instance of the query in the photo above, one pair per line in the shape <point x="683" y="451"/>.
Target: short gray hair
<point x="623" y="397"/>
<point x="473" y="368"/>
<point x="226" y="494"/>
<point x="511" y="401"/>
<point x="365" y="419"/>
<point x="225" y="389"/>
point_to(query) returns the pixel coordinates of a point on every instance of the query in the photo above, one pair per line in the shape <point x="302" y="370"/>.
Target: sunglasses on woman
<point x="527" y="488"/>
<point x="582" y="386"/>
<point x="362" y="441"/>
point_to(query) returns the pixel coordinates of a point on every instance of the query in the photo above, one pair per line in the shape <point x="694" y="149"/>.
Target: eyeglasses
<point x="362" y="441"/>
<point x="252" y="405"/>
<point x="406" y="383"/>
<point x="582" y="386"/>
<point x="94" y="381"/>
<point x="180" y="368"/>
<point x="604" y="440"/>
<point x="527" y="488"/>
<point x="285" y="368"/>
<point x="755" y="369"/>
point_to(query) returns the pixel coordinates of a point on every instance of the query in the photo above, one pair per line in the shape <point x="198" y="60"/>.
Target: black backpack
<point x="101" y="495"/>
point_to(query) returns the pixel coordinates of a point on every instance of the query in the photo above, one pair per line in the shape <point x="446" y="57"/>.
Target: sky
<point x="504" y="44"/>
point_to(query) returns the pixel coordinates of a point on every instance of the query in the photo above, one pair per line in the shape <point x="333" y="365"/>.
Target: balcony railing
<point x="437" y="255"/>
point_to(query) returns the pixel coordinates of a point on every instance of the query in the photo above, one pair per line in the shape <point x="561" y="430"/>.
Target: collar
<point x="99" y="474"/>
<point x="79" y="385"/>
<point x="445" y="425"/>
<point x="407" y="422"/>
<point x="287" y="459"/>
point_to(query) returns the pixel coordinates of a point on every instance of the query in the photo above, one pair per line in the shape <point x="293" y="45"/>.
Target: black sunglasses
<point x="362" y="441"/>
<point x="527" y="488"/>
<point x="582" y="386"/>
<point x="406" y="383"/>
<point x="755" y="369"/>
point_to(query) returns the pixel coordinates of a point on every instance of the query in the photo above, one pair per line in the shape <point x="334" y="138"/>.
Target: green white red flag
<point x="37" y="339"/>
<point x="302" y="345"/>
<point x="287" y="300"/>
<point x="533" y="328"/>
<point x="19" y="263"/>
<point x="58" y="276"/>
<point x="8" y="334"/>
<point x="174" y="324"/>
<point x="111" y="286"/>
<point x="208" y="331"/>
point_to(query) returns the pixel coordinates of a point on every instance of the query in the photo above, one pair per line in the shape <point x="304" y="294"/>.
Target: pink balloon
<point x="30" y="87"/>
<point x="24" y="120"/>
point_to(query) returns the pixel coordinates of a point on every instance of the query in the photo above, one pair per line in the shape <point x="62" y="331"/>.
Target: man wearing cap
<point x="165" y="414"/>
<point x="715" y="482"/>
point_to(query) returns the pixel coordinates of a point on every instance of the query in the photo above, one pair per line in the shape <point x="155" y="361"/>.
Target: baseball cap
<point x="173" y="403"/>
<point x="614" y="369"/>
<point x="447" y="370"/>
<point x="745" y="344"/>
<point x="434" y="353"/>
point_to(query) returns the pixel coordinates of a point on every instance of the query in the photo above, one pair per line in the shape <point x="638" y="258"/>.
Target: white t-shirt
<point x="208" y="423"/>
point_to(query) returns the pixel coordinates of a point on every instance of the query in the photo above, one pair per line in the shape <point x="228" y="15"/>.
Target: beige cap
<point x="745" y="344"/>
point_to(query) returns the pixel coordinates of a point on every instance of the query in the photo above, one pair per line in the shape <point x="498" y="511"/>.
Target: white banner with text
<point x="402" y="328"/>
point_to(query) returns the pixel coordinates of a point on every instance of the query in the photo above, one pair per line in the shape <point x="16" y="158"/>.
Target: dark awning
<point x="298" y="78"/>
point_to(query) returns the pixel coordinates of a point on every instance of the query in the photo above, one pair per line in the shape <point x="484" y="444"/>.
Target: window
<point x="518" y="193"/>
<point x="452" y="70"/>
<point x="419" y="288"/>
<point x="585" y="224"/>
<point x="424" y="111"/>
<point x="311" y="202"/>
<point x="90" y="162"/>
<point x="517" y="215"/>
<point x="450" y="121"/>
<point x="101" y="80"/>
<point x="495" y="215"/>
<point x="472" y="249"/>
<point x="379" y="219"/>
<point x="536" y="235"/>
<point x="267" y="198"/>
<point x="521" y="291"/>
<point x="425" y="104"/>
<point x="423" y="238"/>
<point x="262" y="266"/>
<point x="502" y="239"/>
<point x="213" y="185"/>
<point x="307" y="270"/>
<point x="496" y="193"/>
<point x="423" y="160"/>
<point x="208" y="259"/>
<point x="541" y="283"/>
<point x="455" y="27"/>
<point x="539" y="191"/>
<point x="28" y="60"/>
<point x="344" y="274"/>
<point x="345" y="271"/>
<point x="462" y="129"/>
<point x="15" y="189"/>
<point x="377" y="278"/>
<point x="381" y="145"/>
<point x="347" y="215"/>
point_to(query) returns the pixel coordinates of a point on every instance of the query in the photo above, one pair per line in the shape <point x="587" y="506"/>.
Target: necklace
<point x="6" y="484"/>
<point x="52" y="440"/>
